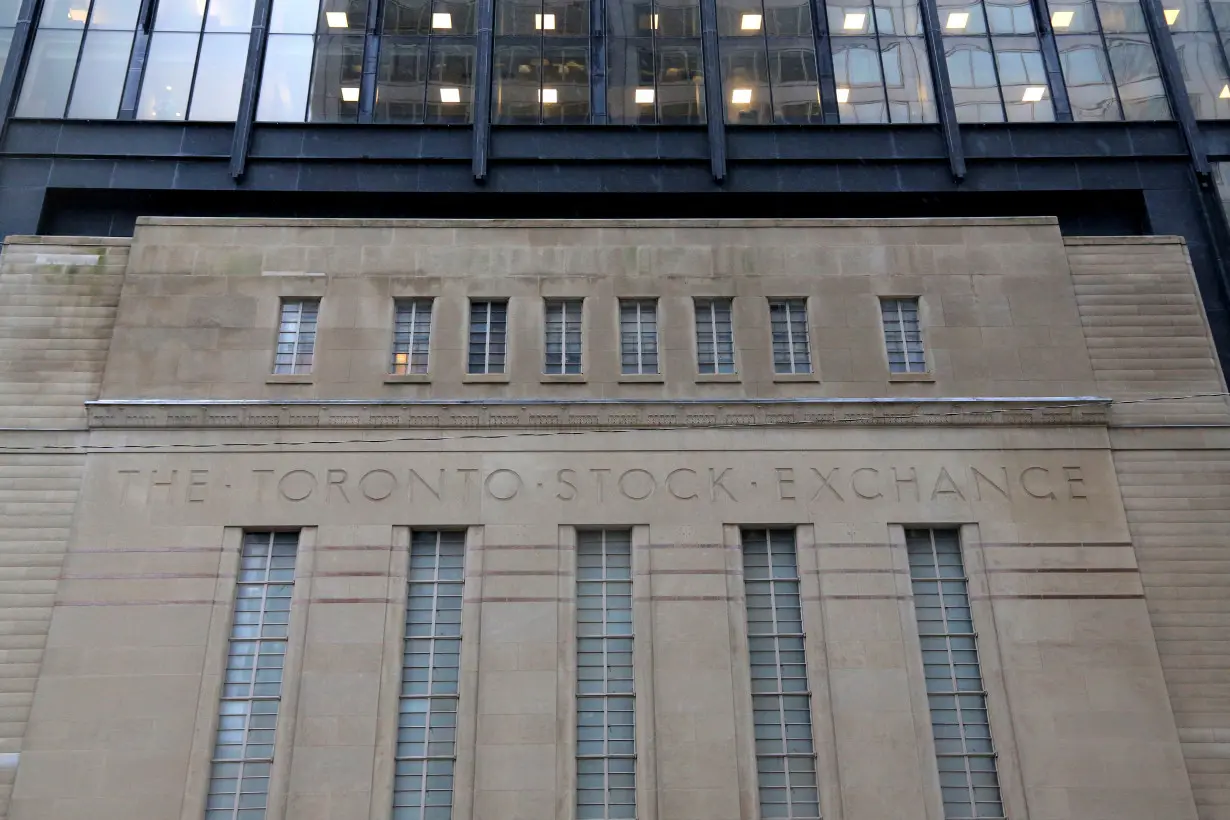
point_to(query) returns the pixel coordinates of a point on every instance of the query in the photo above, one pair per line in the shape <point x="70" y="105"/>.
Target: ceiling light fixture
<point x="843" y="95"/>
<point x="77" y="15"/>
<point x="741" y="96"/>
<point x="450" y="95"/>
<point x="350" y="94"/>
<point x="1225" y="93"/>
<point x="854" y="21"/>
<point x="644" y="96"/>
<point x="441" y="19"/>
<point x="958" y="20"/>
<point x="750" y="22"/>
<point x="337" y="19"/>
<point x="548" y="96"/>
<point x="1172" y="16"/>
<point x="1034" y="93"/>
<point x="1062" y="19"/>
<point x="544" y="22"/>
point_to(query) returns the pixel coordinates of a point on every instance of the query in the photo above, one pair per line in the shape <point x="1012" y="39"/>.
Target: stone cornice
<point x="604" y="414"/>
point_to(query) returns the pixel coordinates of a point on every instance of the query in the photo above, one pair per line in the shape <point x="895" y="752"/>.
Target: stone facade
<point x="1071" y="426"/>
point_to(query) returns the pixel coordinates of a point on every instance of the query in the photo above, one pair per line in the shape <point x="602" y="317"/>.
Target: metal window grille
<point x="715" y="337"/>
<point x="638" y="336"/>
<point x="902" y="336"/>
<point x="781" y="707"/>
<point x="488" y="334"/>
<point x="791" y="342"/>
<point x="411" y="336"/>
<point x="958" y="702"/>
<point x="427" y="714"/>
<point x="563" y="336"/>
<point x="606" y="730"/>
<point x="296" y="336"/>
<point x="252" y="688"/>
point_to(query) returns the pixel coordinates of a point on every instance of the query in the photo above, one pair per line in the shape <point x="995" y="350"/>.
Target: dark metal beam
<point x="824" y="62"/>
<point x="371" y="60"/>
<point x="1176" y="89"/>
<point x="19" y="53"/>
<point x="482" y="90"/>
<point x="136" y="61"/>
<point x="246" y="117"/>
<point x="715" y="106"/>
<point x="943" y="89"/>
<point x="598" y="114"/>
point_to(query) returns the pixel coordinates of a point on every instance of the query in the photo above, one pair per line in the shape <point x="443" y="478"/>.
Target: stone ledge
<point x="1077" y="241"/>
<point x="920" y="222"/>
<point x="31" y="239"/>
<point x="563" y="414"/>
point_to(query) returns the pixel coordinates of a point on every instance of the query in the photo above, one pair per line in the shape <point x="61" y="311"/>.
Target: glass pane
<point x="49" y="73"/>
<point x="229" y="15"/>
<point x="100" y="78"/>
<point x="179" y="15"/>
<point x="8" y="12"/>
<point x="284" y="82"/>
<point x="6" y="40"/>
<point x="521" y="17"/>
<point x="168" y="75"/>
<point x="115" y="14"/>
<point x="1022" y="77"/>
<point x="64" y="14"/>
<point x="338" y="67"/>
<point x="1074" y="17"/>
<point x="631" y="93"/>
<point x="342" y="17"/>
<point x="1086" y="75"/>
<point x="401" y="92"/>
<point x="740" y="18"/>
<point x="901" y="17"/>
<point x="294" y="16"/>
<point x="860" y="89"/>
<point x="1137" y="77"/>
<point x="1187" y="15"/>
<point x="958" y="17"/>
<point x="675" y="18"/>
<point x="788" y="18"/>
<point x="971" y="68"/>
<point x="1009" y="16"/>
<point x="565" y="84"/>
<point x="681" y="84"/>
<point x="794" y="80"/>
<point x="450" y="83"/>
<point x="907" y="78"/>
<point x="460" y="16"/>
<point x="570" y="17"/>
<point x="409" y="17"/>
<point x="1124" y="16"/>
<point x="745" y="82"/>
<point x="517" y="84"/>
<point x="219" y="77"/>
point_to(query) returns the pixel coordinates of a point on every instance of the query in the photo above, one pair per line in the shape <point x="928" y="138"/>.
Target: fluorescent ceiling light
<point x="1172" y="16"/>
<point x="441" y="19"/>
<point x="1225" y="93"/>
<point x="1062" y="19"/>
<point x="544" y="22"/>
<point x="337" y="19"/>
<point x="741" y="96"/>
<point x="750" y="22"/>
<point x="1034" y="93"/>
<point x="958" y="20"/>
<point x="350" y="94"/>
<point x="550" y="96"/>
<point x="450" y="95"/>
<point x="644" y="96"/>
<point x="843" y="95"/>
<point x="655" y="22"/>
<point x="77" y="15"/>
<point x="854" y="21"/>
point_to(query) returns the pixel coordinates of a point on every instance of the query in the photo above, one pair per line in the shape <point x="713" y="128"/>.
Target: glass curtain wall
<point x="768" y="58"/>
<point x="1201" y="32"/>
<point x="196" y="60"/>
<point x="313" y="61"/>
<point x="994" y="61"/>
<point x="1108" y="62"/>
<point x="880" y="62"/>
<point x="541" y="63"/>
<point x="427" y="57"/>
<point x="8" y="22"/>
<point x="654" y="68"/>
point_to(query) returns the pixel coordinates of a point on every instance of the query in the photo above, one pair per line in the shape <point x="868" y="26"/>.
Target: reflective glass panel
<point x="100" y="77"/>
<point x="1137" y="77"/>
<point x="402" y="90"/>
<point x="794" y="81"/>
<point x="971" y="69"/>
<point x="168" y="76"/>
<point x="745" y="83"/>
<point x="229" y="15"/>
<point x="1023" y="80"/>
<point x="49" y="73"/>
<point x="284" y="82"/>
<point x="860" y="88"/>
<point x="1086" y="75"/>
<point x="334" y="94"/>
<point x="116" y="15"/>
<point x="907" y="77"/>
<point x="219" y="78"/>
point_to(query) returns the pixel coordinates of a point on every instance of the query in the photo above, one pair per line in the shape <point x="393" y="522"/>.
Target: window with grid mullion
<point x="903" y="336"/>
<point x="563" y="336"/>
<point x="411" y="336"/>
<point x="606" y="719"/>
<point x="715" y="346"/>
<point x="296" y="336"/>
<point x="252" y="681"/>
<point x="791" y="346"/>
<point x="488" y="336"/>
<point x="638" y="336"/>
<point x="956" y="697"/>
<point x="426" y="750"/>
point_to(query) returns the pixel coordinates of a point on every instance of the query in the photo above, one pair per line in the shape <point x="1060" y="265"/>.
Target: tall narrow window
<point x="606" y="731"/>
<point x="411" y="336"/>
<point x="296" y="337"/>
<point x="963" y="748"/>
<point x="781" y="707"/>
<point x="427" y="713"/>
<point x="791" y="343"/>
<point x="638" y="336"/>
<point x="252" y="688"/>
<point x="902" y="336"/>
<point x="488" y="334"/>
<point x="563" y="336"/>
<point x="715" y="336"/>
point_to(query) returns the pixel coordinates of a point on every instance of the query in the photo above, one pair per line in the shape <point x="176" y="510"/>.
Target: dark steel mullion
<point x="714" y="102"/>
<point x="768" y="80"/>
<point x="597" y="62"/>
<point x="141" y="40"/>
<point x="246" y="116"/>
<point x="19" y="54"/>
<point x="999" y="82"/>
<point x="72" y="86"/>
<point x="875" y="32"/>
<point x="824" y="61"/>
<point x="943" y="88"/>
<point x="196" y="64"/>
<point x="1050" y="61"/>
<point x="1110" y="68"/>
<point x="482" y="90"/>
<point x="1221" y="46"/>
<point x="371" y="60"/>
<point x="1176" y="89"/>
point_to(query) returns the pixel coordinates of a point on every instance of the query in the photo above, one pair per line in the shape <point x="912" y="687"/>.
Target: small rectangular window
<point x="638" y="336"/>
<point x="488" y="335"/>
<point x="969" y="783"/>
<point x="411" y="336"/>
<point x="903" y="336"/>
<point x="791" y="343"/>
<point x="252" y="688"/>
<point x="715" y="336"/>
<point x="296" y="336"/>
<point x="563" y="336"/>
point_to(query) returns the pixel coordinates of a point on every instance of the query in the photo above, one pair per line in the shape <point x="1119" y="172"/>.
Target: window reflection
<point x="1137" y="77"/>
<point x="880" y="62"/>
<point x="1194" y="28"/>
<point x="541" y="61"/>
<point x="654" y="72"/>
<point x="313" y="61"/>
<point x="1086" y="74"/>
<point x="768" y="58"/>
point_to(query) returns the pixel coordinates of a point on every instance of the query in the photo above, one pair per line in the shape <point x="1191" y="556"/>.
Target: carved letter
<point x="824" y="483"/>
<point x="1076" y="482"/>
<point x="715" y="484"/>
<point x="858" y="490"/>
<point x="330" y="484"/>
<point x="672" y="491"/>
<point x="127" y="482"/>
<point x="296" y="497"/>
<point x="785" y="483"/>
<point x="976" y="474"/>
<point x="436" y="490"/>
<point x="1025" y="482"/>
<point x="599" y="473"/>
<point x="567" y="482"/>
<point x="262" y="483"/>
<point x="898" y="481"/>
<point x="516" y="485"/>
<point x="623" y="490"/>
<point x="364" y="487"/>
<point x="466" y="475"/>
<point x="951" y="489"/>
<point x="154" y="482"/>
<point x="193" y="483"/>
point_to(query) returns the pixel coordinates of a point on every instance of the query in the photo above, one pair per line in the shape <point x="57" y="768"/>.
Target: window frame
<point x="705" y="308"/>
<point x="786" y="302"/>
<point x="415" y="302"/>
<point x="565" y="302"/>
<point x="641" y="303"/>
<point x="909" y="372"/>
<point x="487" y="342"/>
<point x="294" y="371"/>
